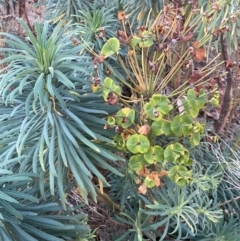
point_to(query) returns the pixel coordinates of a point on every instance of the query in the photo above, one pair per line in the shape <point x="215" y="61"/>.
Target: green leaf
<point x="136" y="162"/>
<point x="109" y="86"/>
<point x="193" y="104"/>
<point x="195" y="138"/>
<point x="162" y="127"/>
<point x="157" y="107"/>
<point x="149" y="183"/>
<point x="154" y="154"/>
<point x="191" y="96"/>
<point x="202" y="99"/>
<point x="134" y="41"/>
<point x="181" y="125"/>
<point x="111" y="47"/>
<point x="166" y="128"/>
<point x="214" y="102"/>
<point x="120" y="142"/>
<point x="180" y="175"/>
<point x="181" y="182"/>
<point x="125" y="117"/>
<point x="157" y="128"/>
<point x="215" y="99"/>
<point x="147" y="39"/>
<point x="192" y="111"/>
<point x="111" y="120"/>
<point x="138" y="144"/>
<point x="176" y="153"/>
<point x="152" y="111"/>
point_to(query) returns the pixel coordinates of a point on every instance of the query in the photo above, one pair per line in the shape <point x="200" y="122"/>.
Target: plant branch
<point x="227" y="95"/>
<point x="228" y="201"/>
<point x="108" y="200"/>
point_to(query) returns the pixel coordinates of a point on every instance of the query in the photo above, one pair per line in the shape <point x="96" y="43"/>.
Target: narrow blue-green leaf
<point x="74" y="157"/>
<point x="78" y="179"/>
<point x="10" y="150"/>
<point x="60" y="181"/>
<point x="3" y="232"/>
<point x="61" y="146"/>
<point x="23" y="138"/>
<point x="51" y="156"/>
<point x="28" y="102"/>
<point x="59" y="97"/>
<point x="10" y="209"/>
<point x="21" y="233"/>
<point x="41" y="184"/>
<point x="5" y="197"/>
<point x="45" y="131"/>
<point x="41" y="152"/>
<point x="102" y="163"/>
<point x="49" y="85"/>
<point x="37" y="232"/>
<point x="93" y="111"/>
<point x="24" y="82"/>
<point x="83" y="139"/>
<point x="27" y="72"/>
<point x="24" y="125"/>
<point x="66" y="131"/>
<point x="63" y="79"/>
<point x="17" y="42"/>
<point x="14" y="178"/>
<point x="17" y="108"/>
<point x="12" y="58"/>
<point x="21" y="195"/>
<point x="90" y="166"/>
<point x="35" y="158"/>
<point x="38" y="85"/>
<point x="51" y="182"/>
<point x="5" y="171"/>
<point x="11" y="97"/>
<point x="30" y="34"/>
<point x="80" y="123"/>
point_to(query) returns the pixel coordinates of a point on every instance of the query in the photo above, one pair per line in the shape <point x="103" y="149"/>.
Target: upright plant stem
<point x="108" y="200"/>
<point x="220" y="124"/>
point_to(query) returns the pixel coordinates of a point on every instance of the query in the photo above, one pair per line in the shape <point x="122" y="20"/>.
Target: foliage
<point x="97" y="23"/>
<point x="25" y="217"/>
<point x="114" y="97"/>
<point x="147" y="114"/>
<point x="64" y="10"/>
<point x="51" y="111"/>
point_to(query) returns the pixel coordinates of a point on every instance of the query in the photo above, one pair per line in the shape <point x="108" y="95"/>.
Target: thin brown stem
<point x="236" y="80"/>
<point x="220" y="124"/>
<point x="108" y="200"/>
<point x="22" y="7"/>
<point x="228" y="201"/>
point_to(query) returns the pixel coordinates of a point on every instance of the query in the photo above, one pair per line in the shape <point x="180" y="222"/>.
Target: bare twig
<point x="228" y="201"/>
<point x="223" y="119"/>
<point x="108" y="200"/>
<point x="24" y="12"/>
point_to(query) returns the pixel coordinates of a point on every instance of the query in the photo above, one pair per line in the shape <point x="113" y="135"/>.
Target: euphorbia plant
<point x="154" y="108"/>
<point x="140" y="137"/>
<point x="49" y="116"/>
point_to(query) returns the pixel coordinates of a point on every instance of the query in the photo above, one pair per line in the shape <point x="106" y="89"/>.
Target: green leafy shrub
<point x="24" y="217"/>
<point x="143" y="96"/>
<point x="51" y="121"/>
<point x="97" y="23"/>
<point x="157" y="128"/>
<point x="139" y="133"/>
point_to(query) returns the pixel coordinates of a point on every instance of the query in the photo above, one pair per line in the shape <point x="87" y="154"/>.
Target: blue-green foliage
<point x="24" y="217"/>
<point x="52" y="128"/>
